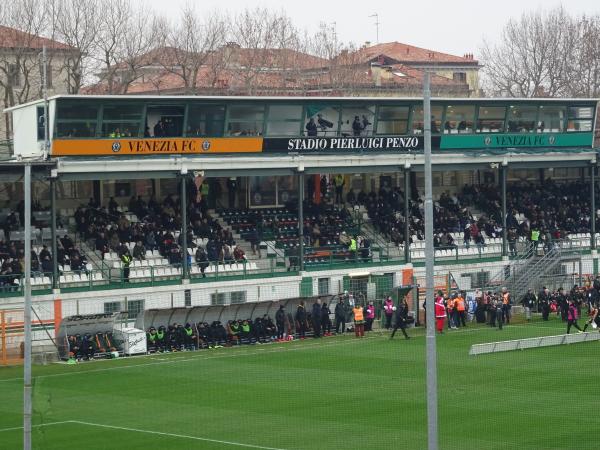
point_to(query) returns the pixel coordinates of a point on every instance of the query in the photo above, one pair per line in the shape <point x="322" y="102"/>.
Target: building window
<point x="41" y="124"/>
<point x="218" y="298"/>
<point x="135" y="308"/>
<point x="580" y="118"/>
<point x="112" y="307"/>
<point x="188" y="298"/>
<point x="323" y="286"/>
<point x="459" y="76"/>
<point x="14" y="75"/>
<point x="237" y="297"/>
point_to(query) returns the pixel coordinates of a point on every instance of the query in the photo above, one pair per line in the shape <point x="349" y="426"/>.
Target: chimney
<point x="367" y="43"/>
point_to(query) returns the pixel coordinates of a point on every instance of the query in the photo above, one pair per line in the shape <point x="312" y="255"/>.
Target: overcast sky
<point x="456" y="26"/>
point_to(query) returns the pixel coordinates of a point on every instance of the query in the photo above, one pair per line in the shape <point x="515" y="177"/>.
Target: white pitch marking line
<point x="182" y="436"/>
<point x="37" y="426"/>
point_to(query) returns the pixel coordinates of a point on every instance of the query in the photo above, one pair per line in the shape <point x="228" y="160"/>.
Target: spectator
<point x="139" y="251"/>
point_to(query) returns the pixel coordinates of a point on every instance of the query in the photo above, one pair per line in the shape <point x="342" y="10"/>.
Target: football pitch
<point x="329" y="393"/>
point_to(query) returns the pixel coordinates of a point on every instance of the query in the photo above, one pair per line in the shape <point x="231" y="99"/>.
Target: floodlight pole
<point x="432" y="406"/>
<point x="27" y="393"/>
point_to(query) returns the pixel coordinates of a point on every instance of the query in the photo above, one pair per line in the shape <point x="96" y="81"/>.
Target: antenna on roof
<point x="376" y="25"/>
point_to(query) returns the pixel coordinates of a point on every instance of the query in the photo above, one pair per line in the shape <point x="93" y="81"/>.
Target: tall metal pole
<point x="593" y="207"/>
<point x="503" y="170"/>
<point x="184" y="226"/>
<point x="45" y="93"/>
<point x="53" y="233"/>
<point x="406" y="214"/>
<point x="27" y="394"/>
<point x="301" y="220"/>
<point x="432" y="407"/>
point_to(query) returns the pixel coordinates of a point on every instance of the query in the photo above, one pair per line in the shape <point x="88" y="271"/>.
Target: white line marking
<point x="182" y="436"/>
<point x="37" y="426"/>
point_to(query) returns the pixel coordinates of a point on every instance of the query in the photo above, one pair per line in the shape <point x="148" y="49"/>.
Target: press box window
<point x="459" y="119"/>
<point x="206" y="121"/>
<point x="491" y="119"/>
<point x="436" y="119"/>
<point x="164" y="121"/>
<point x="76" y="120"/>
<point x="580" y="118"/>
<point x="357" y="120"/>
<point x="522" y="118"/>
<point x="551" y="119"/>
<point x="284" y="120"/>
<point x="392" y="120"/>
<point x="121" y="120"/>
<point x="246" y="120"/>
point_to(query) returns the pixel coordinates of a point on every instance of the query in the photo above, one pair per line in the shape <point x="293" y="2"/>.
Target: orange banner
<point x="151" y="146"/>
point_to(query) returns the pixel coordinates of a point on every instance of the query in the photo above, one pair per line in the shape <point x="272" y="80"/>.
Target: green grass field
<point x="332" y="393"/>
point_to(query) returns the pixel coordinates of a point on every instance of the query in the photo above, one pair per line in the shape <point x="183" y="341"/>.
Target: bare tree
<point x="126" y="33"/>
<point x="76" y="23"/>
<point x="584" y="61"/>
<point x="533" y="56"/>
<point x="192" y="44"/>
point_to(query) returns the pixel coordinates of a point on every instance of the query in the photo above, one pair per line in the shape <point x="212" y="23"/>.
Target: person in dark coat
<point x="301" y="320"/>
<point x="402" y="320"/>
<point x="316" y="318"/>
<point x="340" y="316"/>
<point x="280" y="321"/>
<point x="325" y="320"/>
<point x="311" y="127"/>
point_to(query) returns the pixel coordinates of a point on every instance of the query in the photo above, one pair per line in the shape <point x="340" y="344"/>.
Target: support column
<point x="184" y="227"/>
<point x="406" y="214"/>
<point x="27" y="386"/>
<point x="301" y="220"/>
<point x="593" y="207"/>
<point x="317" y="181"/>
<point x="503" y="170"/>
<point x="53" y="248"/>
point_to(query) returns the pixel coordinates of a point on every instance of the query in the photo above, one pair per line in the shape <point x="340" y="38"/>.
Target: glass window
<point x="580" y="118"/>
<point x="551" y="119"/>
<point x="121" y="120"/>
<point x="164" y="121"/>
<point x="41" y="123"/>
<point x="392" y="120"/>
<point x="112" y="307"/>
<point x="134" y="308"/>
<point x="206" y="120"/>
<point x="218" y="298"/>
<point x="491" y="119"/>
<point x="326" y="119"/>
<point x="323" y="285"/>
<point x="522" y="118"/>
<point x="581" y="112"/>
<point x="284" y="120"/>
<point x="76" y="119"/>
<point x="357" y="120"/>
<point x="246" y="120"/>
<point x="417" y="119"/>
<point x="76" y="111"/>
<point x="459" y="119"/>
<point x="237" y="297"/>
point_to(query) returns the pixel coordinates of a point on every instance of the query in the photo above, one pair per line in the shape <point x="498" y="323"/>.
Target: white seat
<point x="45" y="280"/>
<point x="97" y="276"/>
<point x="144" y="263"/>
<point x="148" y="253"/>
<point x="146" y="273"/>
<point x="69" y="278"/>
<point x="84" y="278"/>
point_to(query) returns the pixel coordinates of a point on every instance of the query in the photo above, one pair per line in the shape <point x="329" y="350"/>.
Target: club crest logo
<point x="552" y="140"/>
<point x="206" y="146"/>
<point x="487" y="140"/>
<point x="116" y="147"/>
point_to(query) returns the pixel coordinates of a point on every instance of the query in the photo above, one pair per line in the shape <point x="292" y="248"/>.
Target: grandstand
<point x="272" y="201"/>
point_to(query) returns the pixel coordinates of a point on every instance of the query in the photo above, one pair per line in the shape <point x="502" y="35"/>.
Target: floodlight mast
<point x="432" y="407"/>
<point x="27" y="392"/>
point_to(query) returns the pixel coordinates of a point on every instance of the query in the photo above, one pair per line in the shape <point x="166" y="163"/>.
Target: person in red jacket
<point x="440" y="312"/>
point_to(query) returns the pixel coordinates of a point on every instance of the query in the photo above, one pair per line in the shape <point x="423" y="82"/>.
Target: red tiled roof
<point x="13" y="38"/>
<point x="404" y="53"/>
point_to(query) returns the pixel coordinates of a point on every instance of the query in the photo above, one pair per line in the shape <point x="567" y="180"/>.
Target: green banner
<point x="517" y="140"/>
